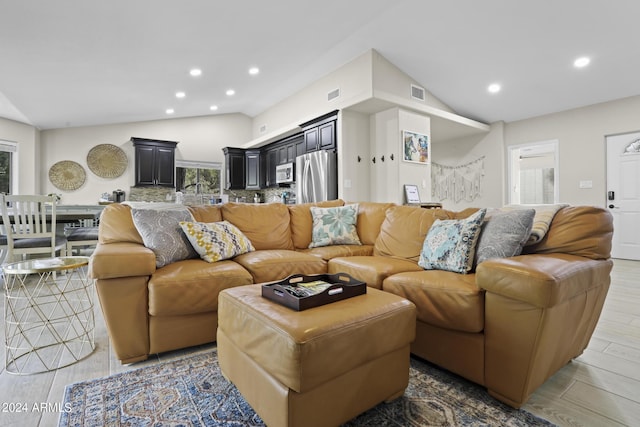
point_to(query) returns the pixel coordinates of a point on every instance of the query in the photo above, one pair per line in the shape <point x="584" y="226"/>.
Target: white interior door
<point x="623" y="193"/>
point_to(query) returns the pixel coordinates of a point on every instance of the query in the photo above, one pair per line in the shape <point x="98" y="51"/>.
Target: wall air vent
<point x="333" y="94"/>
<point x="417" y="93"/>
<point x="263" y="128"/>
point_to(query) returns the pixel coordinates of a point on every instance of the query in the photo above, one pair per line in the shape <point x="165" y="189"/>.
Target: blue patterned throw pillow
<point x="334" y="226"/>
<point x="450" y="244"/>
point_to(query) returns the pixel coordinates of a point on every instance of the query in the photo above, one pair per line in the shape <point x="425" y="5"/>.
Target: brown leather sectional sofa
<point x="509" y="325"/>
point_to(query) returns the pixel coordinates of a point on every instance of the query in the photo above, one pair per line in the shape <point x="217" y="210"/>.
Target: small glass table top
<point x="34" y="266"/>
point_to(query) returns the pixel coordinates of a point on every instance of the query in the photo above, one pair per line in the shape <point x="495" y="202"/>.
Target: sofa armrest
<point x="122" y="259"/>
<point x="542" y="280"/>
<point x="540" y="312"/>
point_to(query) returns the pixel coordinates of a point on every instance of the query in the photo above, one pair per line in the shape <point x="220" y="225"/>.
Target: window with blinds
<point x="7" y="169"/>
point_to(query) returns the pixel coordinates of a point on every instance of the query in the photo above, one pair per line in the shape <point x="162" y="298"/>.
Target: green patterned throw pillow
<point x="450" y="244"/>
<point x="334" y="226"/>
<point x="216" y="241"/>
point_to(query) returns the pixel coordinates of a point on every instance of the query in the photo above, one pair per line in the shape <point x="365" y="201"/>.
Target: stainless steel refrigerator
<point x="316" y="177"/>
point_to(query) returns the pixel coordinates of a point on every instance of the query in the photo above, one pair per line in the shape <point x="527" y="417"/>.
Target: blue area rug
<point x="193" y="392"/>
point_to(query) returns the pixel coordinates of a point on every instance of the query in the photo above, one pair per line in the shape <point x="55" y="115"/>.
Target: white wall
<point x="353" y="79"/>
<point x="412" y="173"/>
<point x="581" y="134"/>
<point x="354" y="137"/>
<point x="390" y="81"/>
<point x="28" y="139"/>
<point x="200" y="138"/>
<point x="462" y="151"/>
<point x="388" y="176"/>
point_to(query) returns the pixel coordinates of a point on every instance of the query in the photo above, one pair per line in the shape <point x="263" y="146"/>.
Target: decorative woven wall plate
<point x="67" y="175"/>
<point x="107" y="161"/>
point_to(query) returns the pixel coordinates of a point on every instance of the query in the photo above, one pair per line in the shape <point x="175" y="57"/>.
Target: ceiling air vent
<point x="333" y="94"/>
<point x="417" y="93"/>
<point x="263" y="128"/>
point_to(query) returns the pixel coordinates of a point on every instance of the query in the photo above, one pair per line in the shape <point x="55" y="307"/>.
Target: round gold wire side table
<point x="49" y="318"/>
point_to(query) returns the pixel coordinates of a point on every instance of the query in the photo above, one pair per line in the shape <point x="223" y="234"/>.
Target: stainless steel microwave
<point x="284" y="173"/>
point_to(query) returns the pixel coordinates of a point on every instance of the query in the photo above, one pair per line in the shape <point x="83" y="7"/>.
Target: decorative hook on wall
<point x="382" y="158"/>
<point x="373" y="160"/>
<point x="391" y="156"/>
<point x="359" y="159"/>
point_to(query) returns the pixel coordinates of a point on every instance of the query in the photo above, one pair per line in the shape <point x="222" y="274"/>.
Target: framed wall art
<point x="415" y="147"/>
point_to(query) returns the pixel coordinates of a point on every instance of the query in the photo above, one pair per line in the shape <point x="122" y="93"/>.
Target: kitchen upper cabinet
<point x="320" y="133"/>
<point x="288" y="152"/>
<point x="311" y="140"/>
<point x="252" y="181"/>
<point x="282" y="154"/>
<point x="279" y="153"/>
<point x="270" y="161"/>
<point x="234" y="162"/>
<point x="154" y="162"/>
<point x="301" y="148"/>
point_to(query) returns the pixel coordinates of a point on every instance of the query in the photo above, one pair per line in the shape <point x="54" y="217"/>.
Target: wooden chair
<point x="3" y="246"/>
<point x="30" y="228"/>
<point x="83" y="235"/>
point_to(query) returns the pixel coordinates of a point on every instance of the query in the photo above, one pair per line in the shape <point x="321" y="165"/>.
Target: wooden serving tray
<point x="300" y="292"/>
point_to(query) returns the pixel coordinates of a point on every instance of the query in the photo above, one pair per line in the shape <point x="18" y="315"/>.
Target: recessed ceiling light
<point x="230" y="92"/>
<point x="195" y="72"/>
<point x="180" y="94"/>
<point x="169" y="111"/>
<point x="254" y="70"/>
<point x="581" y="62"/>
<point x="213" y="108"/>
<point x="494" y="88"/>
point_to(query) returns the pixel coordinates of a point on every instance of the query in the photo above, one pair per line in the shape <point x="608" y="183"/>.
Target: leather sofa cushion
<point x="305" y="349"/>
<point x="371" y="269"/>
<point x="371" y="215"/>
<point x="302" y="223"/>
<point x="404" y="228"/>
<point x="277" y="264"/>
<point x="578" y="230"/>
<point x="192" y="286"/>
<point x="443" y="298"/>
<point x="206" y="213"/>
<point x="335" y="251"/>
<point x="266" y="225"/>
<point x="116" y="225"/>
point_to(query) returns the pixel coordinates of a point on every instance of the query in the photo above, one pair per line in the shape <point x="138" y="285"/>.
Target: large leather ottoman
<point x="318" y="367"/>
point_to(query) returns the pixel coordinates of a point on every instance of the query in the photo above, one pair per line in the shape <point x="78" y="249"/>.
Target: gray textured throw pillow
<point x="504" y="234"/>
<point x="161" y="232"/>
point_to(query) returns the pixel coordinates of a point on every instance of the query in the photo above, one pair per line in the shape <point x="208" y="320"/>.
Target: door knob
<point x="613" y="206"/>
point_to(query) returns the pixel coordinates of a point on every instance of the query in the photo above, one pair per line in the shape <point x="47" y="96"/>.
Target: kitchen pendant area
<point x="277" y="171"/>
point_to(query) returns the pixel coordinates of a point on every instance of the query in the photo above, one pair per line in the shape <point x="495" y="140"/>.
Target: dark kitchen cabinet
<point x="301" y="148"/>
<point x="282" y="154"/>
<point x="310" y="140"/>
<point x="287" y="149"/>
<point x="320" y="133"/>
<point x="234" y="162"/>
<point x="270" y="157"/>
<point x="252" y="171"/>
<point x="154" y="162"/>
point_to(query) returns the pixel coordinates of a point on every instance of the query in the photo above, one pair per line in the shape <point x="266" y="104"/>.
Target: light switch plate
<point x="586" y="184"/>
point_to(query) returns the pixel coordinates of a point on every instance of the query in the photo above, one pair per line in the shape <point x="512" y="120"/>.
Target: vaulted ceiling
<point x="78" y="62"/>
